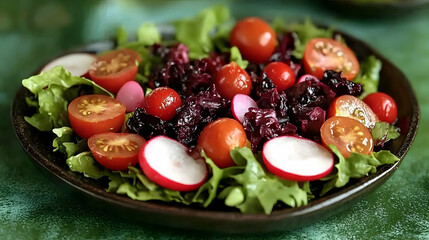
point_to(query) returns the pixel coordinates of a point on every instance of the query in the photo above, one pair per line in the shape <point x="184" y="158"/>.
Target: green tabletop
<point x="32" y="207"/>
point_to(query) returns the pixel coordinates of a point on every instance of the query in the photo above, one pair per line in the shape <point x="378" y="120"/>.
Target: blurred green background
<point x="33" y="32"/>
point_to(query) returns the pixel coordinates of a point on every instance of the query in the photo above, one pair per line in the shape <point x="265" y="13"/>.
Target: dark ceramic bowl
<point x="39" y="146"/>
<point x="376" y="9"/>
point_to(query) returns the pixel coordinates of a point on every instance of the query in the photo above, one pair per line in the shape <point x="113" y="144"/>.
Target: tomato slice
<point x="348" y="135"/>
<point x="93" y="114"/>
<point x="323" y="54"/>
<point x="219" y="137"/>
<point x="353" y="107"/>
<point x="115" y="68"/>
<point x="116" y="151"/>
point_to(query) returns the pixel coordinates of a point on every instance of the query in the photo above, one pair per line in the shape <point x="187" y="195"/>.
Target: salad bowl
<point x="38" y="145"/>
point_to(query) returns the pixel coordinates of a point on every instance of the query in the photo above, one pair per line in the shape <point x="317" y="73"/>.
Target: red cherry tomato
<point x="115" y="68"/>
<point x="219" y="137"/>
<point x="348" y="135"/>
<point x="353" y="107"/>
<point x="281" y="75"/>
<point x="116" y="151"/>
<point x="383" y="106"/>
<point x="255" y="39"/>
<point x="231" y="80"/>
<point x="162" y="102"/>
<point x="93" y="114"/>
<point x="327" y="54"/>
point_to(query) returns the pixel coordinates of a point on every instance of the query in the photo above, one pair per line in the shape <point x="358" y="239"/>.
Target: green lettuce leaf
<point x="384" y="132"/>
<point x="258" y="192"/>
<point x="53" y="90"/>
<point x="369" y="76"/>
<point x="305" y="32"/>
<point x="121" y="36"/>
<point x="196" y="32"/>
<point x="84" y="163"/>
<point x="209" y="190"/>
<point x="236" y="57"/>
<point x="148" y="34"/>
<point x="67" y="143"/>
<point x="356" y="166"/>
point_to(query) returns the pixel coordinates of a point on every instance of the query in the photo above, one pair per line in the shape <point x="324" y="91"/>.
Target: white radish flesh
<point x="167" y="163"/>
<point x="131" y="95"/>
<point x="76" y="63"/>
<point x="240" y="105"/>
<point x="297" y="159"/>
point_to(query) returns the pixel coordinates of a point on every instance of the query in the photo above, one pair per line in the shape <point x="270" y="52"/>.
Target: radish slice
<point x="240" y="105"/>
<point x="297" y="159"/>
<point x="167" y="163"/>
<point x="131" y="95"/>
<point x="307" y="77"/>
<point x="76" y="63"/>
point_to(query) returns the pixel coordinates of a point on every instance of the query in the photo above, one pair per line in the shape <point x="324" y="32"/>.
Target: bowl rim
<point x="331" y="202"/>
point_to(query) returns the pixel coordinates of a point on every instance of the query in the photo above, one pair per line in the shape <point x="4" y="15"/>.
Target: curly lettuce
<point x="53" y="90"/>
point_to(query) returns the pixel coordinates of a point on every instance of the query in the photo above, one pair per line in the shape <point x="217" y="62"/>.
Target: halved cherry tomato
<point x="162" y="102"/>
<point x="231" y="79"/>
<point x="327" y="54"/>
<point x="116" y="151"/>
<point x="93" y="114"/>
<point x="383" y="106"/>
<point x="348" y="135"/>
<point x="281" y="75"/>
<point x="219" y="137"/>
<point x="255" y="39"/>
<point x="353" y="107"/>
<point x="115" y="68"/>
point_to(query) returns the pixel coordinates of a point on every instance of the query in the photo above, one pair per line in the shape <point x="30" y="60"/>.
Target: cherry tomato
<point x="353" y="107"/>
<point x="162" y="102"/>
<point x="231" y="80"/>
<point x="93" y="114"/>
<point x="348" y="135"/>
<point x="115" y="68"/>
<point x="383" y="106"/>
<point x="327" y="54"/>
<point x="116" y="151"/>
<point x="281" y="75"/>
<point x="255" y="39"/>
<point x="219" y="137"/>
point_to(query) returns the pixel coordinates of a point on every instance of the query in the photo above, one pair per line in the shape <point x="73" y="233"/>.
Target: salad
<point x="240" y="114"/>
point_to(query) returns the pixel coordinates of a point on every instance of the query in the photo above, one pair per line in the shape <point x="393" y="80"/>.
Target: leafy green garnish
<point x="67" y="143"/>
<point x="196" y="32"/>
<point x="257" y="191"/>
<point x="356" y="166"/>
<point x="369" y="76"/>
<point x="148" y="34"/>
<point x="305" y="32"/>
<point x="383" y="132"/>
<point x="121" y="36"/>
<point x="53" y="89"/>
<point x="236" y="57"/>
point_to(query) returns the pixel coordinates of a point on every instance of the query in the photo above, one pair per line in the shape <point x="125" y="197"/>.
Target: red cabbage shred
<point x="299" y="110"/>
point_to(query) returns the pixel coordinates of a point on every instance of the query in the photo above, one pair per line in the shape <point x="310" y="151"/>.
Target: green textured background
<point x="31" y="33"/>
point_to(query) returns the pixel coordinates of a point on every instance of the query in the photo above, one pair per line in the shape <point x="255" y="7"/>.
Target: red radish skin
<point x="76" y="63"/>
<point x="167" y="163"/>
<point x="307" y="77"/>
<point x="297" y="159"/>
<point x="131" y="95"/>
<point x="240" y="105"/>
